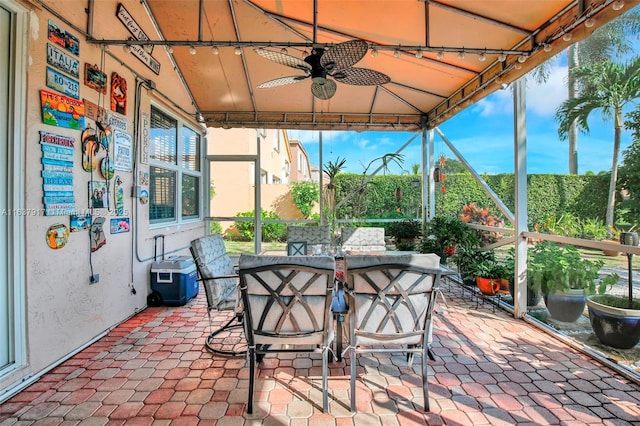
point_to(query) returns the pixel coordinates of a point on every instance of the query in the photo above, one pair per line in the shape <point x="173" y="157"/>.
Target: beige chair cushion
<point x="363" y="239"/>
<point x="309" y="234"/>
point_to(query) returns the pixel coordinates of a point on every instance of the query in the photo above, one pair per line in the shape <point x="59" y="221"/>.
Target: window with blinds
<point x="174" y="170"/>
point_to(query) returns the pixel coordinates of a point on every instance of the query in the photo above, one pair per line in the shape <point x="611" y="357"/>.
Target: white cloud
<point x="543" y="99"/>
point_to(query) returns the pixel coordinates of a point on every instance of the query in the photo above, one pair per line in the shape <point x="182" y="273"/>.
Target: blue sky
<point x="483" y="133"/>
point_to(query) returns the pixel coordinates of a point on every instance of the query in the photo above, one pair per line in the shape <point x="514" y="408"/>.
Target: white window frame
<point x="180" y="171"/>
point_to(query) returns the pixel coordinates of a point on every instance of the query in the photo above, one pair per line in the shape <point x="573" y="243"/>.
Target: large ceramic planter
<point x="533" y="297"/>
<point x="566" y="306"/>
<point x="615" y="327"/>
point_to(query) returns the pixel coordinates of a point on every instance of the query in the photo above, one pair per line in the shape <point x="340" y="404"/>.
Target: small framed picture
<point x="95" y="78"/>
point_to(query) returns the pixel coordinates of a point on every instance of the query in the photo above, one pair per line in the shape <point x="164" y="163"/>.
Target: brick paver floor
<point x="490" y="369"/>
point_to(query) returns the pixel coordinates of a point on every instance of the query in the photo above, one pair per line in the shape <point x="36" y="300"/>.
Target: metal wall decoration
<point x="119" y="195"/>
<point x="96" y="233"/>
<point x="118" y="94"/>
<point x="62" y="111"/>
<point x="57" y="235"/>
<point x="62" y="61"/>
<point x="145" y="141"/>
<point x="90" y="146"/>
<point x="143" y="196"/>
<point x="62" y="83"/>
<point x="123" y="155"/>
<point x="80" y="222"/>
<point x="57" y="174"/>
<point x="63" y="38"/>
<point x="143" y="53"/>
<point x="119" y="225"/>
<point x="95" y="78"/>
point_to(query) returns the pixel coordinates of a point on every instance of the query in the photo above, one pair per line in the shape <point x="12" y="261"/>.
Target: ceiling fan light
<point x="237" y="51"/>
<point x="617" y="5"/>
<point x="517" y="65"/>
<point x="482" y="57"/>
<point x="169" y="49"/>
<point x="215" y="50"/>
<point x="440" y="55"/>
<point x="502" y="57"/>
<point x="461" y="55"/>
<point x="566" y="37"/>
<point x="396" y="53"/>
<point x="374" y="52"/>
<point x="148" y="48"/>
<point x="589" y="22"/>
<point x="192" y="50"/>
<point x="126" y="48"/>
<point x="419" y="54"/>
<point x="522" y="59"/>
<point x="284" y="51"/>
<point x="547" y="47"/>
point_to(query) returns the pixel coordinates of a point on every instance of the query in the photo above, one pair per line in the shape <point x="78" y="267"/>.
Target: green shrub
<point x="270" y="231"/>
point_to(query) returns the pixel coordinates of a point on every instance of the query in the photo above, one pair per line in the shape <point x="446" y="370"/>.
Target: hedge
<point x="548" y="195"/>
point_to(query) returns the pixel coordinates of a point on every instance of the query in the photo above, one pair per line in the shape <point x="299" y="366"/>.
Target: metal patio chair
<point x="287" y="302"/>
<point x="391" y="300"/>
<point x="219" y="278"/>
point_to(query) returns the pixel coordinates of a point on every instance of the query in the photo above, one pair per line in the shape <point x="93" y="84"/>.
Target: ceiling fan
<point x="336" y="62"/>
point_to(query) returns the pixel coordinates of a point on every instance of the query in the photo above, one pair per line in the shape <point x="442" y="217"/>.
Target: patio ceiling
<point x="425" y="88"/>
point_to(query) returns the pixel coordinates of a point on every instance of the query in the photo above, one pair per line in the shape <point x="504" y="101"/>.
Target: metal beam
<point x="520" y="168"/>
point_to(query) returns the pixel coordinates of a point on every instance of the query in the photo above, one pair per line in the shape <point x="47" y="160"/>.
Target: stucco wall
<point x="63" y="310"/>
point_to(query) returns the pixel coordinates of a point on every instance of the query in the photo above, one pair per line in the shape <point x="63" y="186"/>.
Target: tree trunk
<point x="574" y="61"/>
<point x="611" y="203"/>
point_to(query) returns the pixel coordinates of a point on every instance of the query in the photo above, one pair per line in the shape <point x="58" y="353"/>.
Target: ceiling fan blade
<point x="324" y="91"/>
<point x="361" y="77"/>
<point x="344" y="55"/>
<point x="284" y="59"/>
<point x="282" y="81"/>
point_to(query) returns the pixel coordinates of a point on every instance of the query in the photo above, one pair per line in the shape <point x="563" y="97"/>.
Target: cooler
<point x="174" y="280"/>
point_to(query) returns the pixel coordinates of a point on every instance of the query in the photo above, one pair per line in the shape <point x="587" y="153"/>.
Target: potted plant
<point x="464" y="258"/>
<point x="444" y="234"/>
<point x="564" y="278"/>
<point x="405" y="233"/>
<point x="487" y="271"/>
<point x="533" y="294"/>
<point x="471" y="213"/>
<point x="616" y="319"/>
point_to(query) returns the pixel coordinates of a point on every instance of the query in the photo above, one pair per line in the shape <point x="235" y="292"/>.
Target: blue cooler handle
<point x="161" y="280"/>
<point x="155" y="246"/>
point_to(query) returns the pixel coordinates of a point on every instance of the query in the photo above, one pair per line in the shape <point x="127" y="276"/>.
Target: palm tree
<point x="606" y="86"/>
<point x="611" y="41"/>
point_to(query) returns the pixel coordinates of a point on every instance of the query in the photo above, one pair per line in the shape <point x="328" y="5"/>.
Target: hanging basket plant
<point x="438" y="175"/>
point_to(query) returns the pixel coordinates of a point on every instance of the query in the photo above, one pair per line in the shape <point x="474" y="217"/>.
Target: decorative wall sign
<point x="62" y="83"/>
<point x="143" y="178"/>
<point x="98" y="195"/>
<point x="90" y="147"/>
<point x="120" y="225"/>
<point x="62" y="61"/>
<point x="139" y="52"/>
<point x="62" y="111"/>
<point x="80" y="222"/>
<point x="106" y="139"/>
<point x="122" y="151"/>
<point x="63" y="38"/>
<point x="57" y="236"/>
<point x="117" y="121"/>
<point x="94" y="112"/>
<point x="119" y="192"/>
<point x="57" y="174"/>
<point x="118" y="94"/>
<point x="125" y="17"/>
<point x="143" y="196"/>
<point x="144" y="139"/>
<point x="106" y="168"/>
<point x="95" y="78"/>
<point x="96" y="233"/>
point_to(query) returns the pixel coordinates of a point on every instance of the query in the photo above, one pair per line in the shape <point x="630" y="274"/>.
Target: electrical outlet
<point x="94" y="279"/>
<point x="132" y="288"/>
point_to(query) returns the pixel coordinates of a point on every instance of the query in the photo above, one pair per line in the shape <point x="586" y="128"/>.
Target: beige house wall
<point x="234" y="182"/>
<point x="60" y="310"/>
